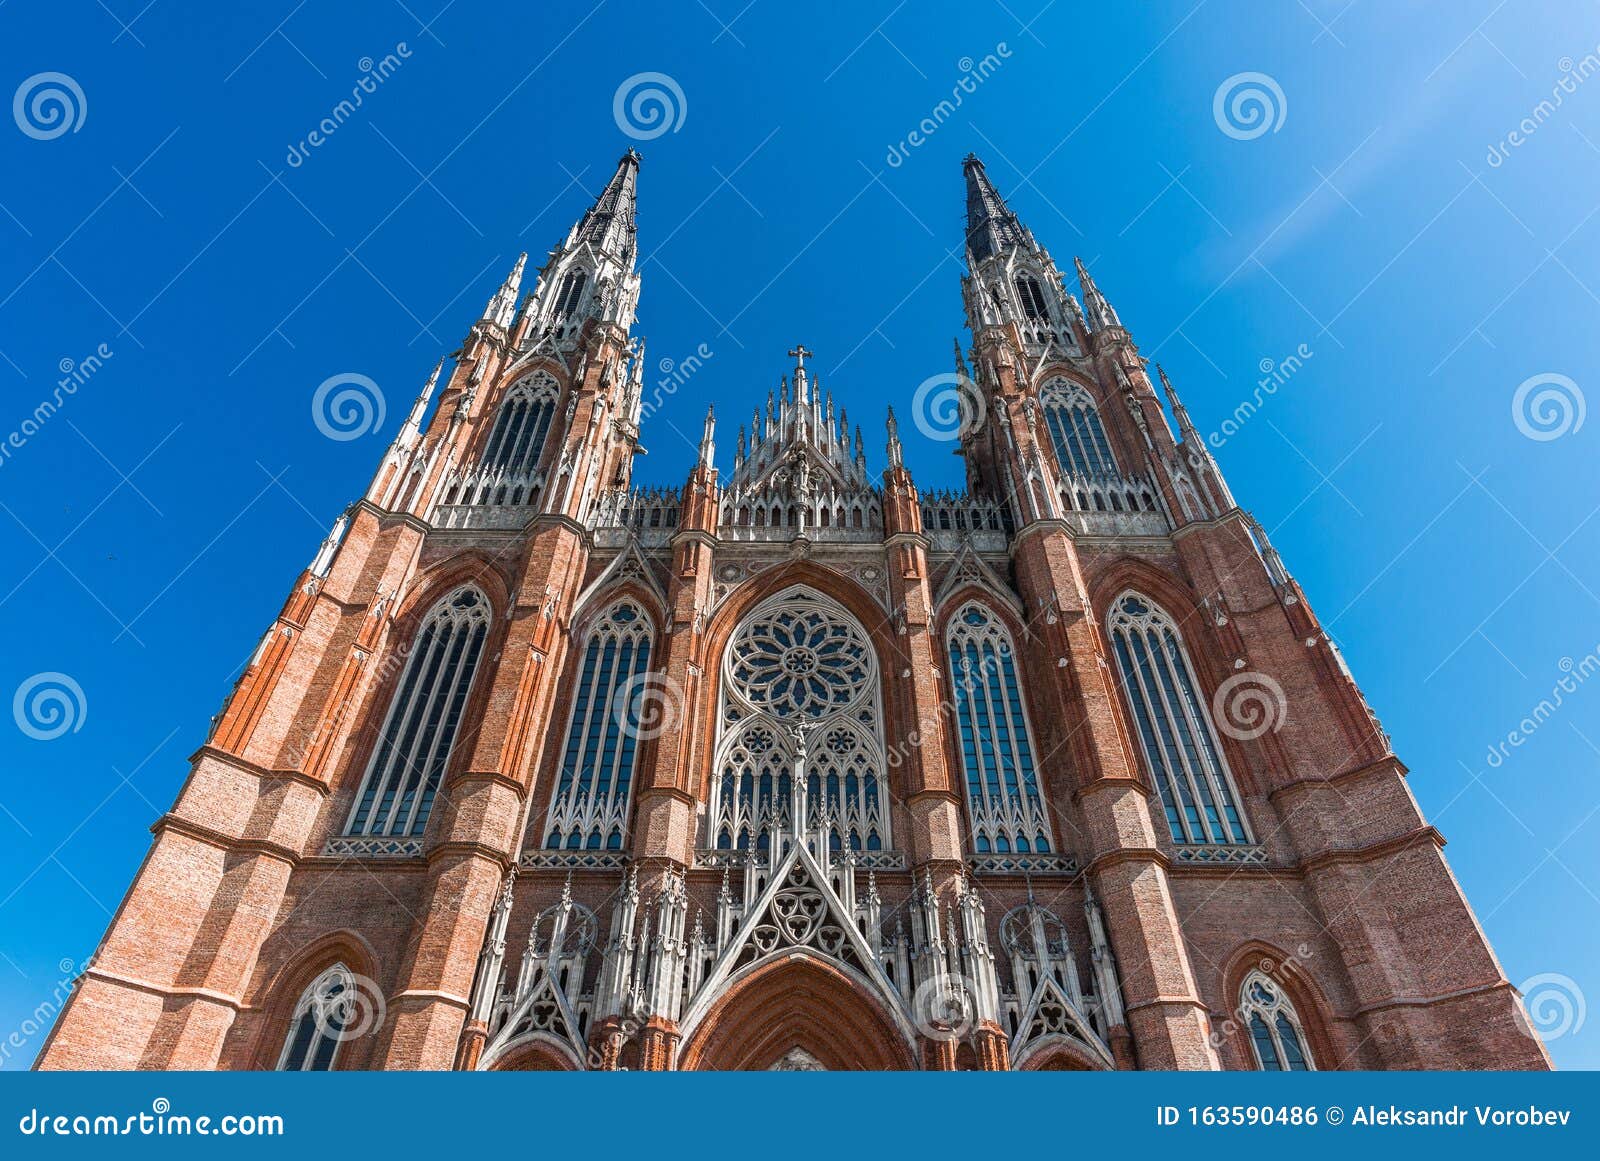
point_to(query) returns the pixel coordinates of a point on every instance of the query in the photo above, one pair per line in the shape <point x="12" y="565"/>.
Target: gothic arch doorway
<point x="796" y="1012"/>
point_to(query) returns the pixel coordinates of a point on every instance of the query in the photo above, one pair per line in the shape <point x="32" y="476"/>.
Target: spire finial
<point x="1100" y="312"/>
<point x="708" y="447"/>
<point x="502" y="306"/>
<point x="896" y="452"/>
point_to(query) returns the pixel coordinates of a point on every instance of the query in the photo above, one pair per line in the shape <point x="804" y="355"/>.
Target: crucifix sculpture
<point x="800" y="354"/>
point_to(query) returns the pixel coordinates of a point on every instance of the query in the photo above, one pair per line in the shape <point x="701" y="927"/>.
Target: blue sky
<point x="151" y="526"/>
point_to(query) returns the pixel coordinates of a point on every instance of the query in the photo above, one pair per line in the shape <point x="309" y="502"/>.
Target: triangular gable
<point x="1050" y="1013"/>
<point x="629" y="564"/>
<point x="545" y="1009"/>
<point x="797" y="912"/>
<point x="968" y="568"/>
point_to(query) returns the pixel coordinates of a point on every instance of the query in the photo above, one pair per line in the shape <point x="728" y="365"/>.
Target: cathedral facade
<point x="795" y="767"/>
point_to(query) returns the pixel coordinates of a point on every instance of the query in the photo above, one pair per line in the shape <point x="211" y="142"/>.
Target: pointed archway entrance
<point x="800" y="1007"/>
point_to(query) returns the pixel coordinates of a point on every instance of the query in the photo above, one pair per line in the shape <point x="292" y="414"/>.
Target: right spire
<point x="991" y="226"/>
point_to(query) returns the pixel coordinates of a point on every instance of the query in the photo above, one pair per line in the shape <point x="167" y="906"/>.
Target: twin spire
<point x="993" y="228"/>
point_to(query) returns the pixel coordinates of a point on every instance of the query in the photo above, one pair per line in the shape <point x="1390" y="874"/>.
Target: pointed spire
<point x="611" y="223"/>
<point x="896" y="453"/>
<point x="1186" y="427"/>
<point x="708" y="446"/>
<point x="961" y="362"/>
<point x="1101" y="314"/>
<point x="991" y="226"/>
<point x="502" y="307"/>
<point x="413" y="423"/>
<point x="323" y="561"/>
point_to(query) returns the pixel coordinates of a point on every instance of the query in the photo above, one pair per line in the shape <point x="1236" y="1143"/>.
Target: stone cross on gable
<point x="800" y="354"/>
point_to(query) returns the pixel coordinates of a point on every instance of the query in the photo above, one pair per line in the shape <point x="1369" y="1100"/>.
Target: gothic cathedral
<point x="793" y="767"/>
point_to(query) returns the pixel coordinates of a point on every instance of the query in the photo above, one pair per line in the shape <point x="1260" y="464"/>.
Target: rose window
<point x="801" y="661"/>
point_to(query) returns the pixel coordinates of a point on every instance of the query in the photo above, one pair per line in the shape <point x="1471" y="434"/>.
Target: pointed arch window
<point x="571" y="293"/>
<point x="1174" y="726"/>
<point x="1276" y="1038"/>
<point x="801" y="661"/>
<point x="1003" y="799"/>
<point x="521" y="424"/>
<point x="424" y="719"/>
<point x="1075" y="430"/>
<point x="612" y="703"/>
<point x="326" y="1010"/>
<point x="1032" y="296"/>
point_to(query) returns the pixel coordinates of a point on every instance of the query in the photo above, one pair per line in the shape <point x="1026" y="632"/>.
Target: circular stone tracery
<point x="800" y="660"/>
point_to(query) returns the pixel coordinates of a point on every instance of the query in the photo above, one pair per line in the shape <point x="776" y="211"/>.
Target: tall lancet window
<point x="1007" y="814"/>
<point x="1032" y="296"/>
<point x="571" y="293"/>
<point x="327" y="1008"/>
<point x="1175" y="731"/>
<point x="1275" y="1035"/>
<point x="612" y="703"/>
<point x="1075" y="429"/>
<point x="799" y="670"/>
<point x="424" y="718"/>
<point x="521" y="424"/>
